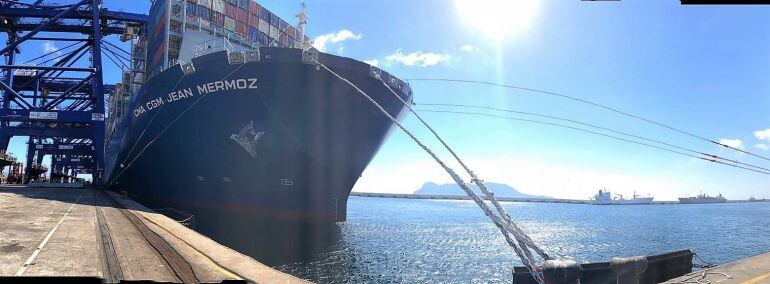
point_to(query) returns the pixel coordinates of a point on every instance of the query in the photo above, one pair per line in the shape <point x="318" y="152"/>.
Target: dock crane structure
<point x="58" y="99"/>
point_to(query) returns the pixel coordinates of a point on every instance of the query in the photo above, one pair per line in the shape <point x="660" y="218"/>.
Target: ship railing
<point x="211" y="46"/>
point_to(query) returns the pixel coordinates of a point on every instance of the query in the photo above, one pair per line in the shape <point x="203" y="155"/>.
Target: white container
<point x="229" y="23"/>
<point x="218" y="5"/>
<point x="274" y="32"/>
<point x="264" y="27"/>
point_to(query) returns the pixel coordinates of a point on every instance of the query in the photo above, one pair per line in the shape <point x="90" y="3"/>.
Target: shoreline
<point x="522" y="199"/>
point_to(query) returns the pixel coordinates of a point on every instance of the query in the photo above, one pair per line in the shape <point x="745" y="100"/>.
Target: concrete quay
<point x="750" y="270"/>
<point x="100" y="236"/>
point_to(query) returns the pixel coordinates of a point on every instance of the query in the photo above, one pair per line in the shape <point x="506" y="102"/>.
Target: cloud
<point x="322" y="42"/>
<point x="762" y="146"/>
<point x="373" y="62"/>
<point x="763" y="134"/>
<point x="48" y="47"/>
<point x="468" y="48"/>
<point x="418" y="58"/>
<point x="735" y="143"/>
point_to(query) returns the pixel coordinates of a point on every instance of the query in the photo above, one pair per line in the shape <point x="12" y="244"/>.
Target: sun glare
<point x="498" y="19"/>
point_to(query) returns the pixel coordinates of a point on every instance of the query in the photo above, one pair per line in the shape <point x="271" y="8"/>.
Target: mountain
<point x="500" y="190"/>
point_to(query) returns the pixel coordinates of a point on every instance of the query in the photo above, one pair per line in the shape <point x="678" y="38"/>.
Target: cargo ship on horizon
<point x="232" y="120"/>
<point x="702" y="199"/>
<point x="604" y="197"/>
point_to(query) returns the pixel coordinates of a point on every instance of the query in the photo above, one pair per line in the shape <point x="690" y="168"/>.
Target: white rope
<point x="524" y="240"/>
<point x="504" y="227"/>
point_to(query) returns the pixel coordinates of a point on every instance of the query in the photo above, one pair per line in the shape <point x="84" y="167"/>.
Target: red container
<point x="231" y="11"/>
<point x="254" y="7"/>
<point x="241" y="28"/>
<point x="242" y="16"/>
<point x="253" y="20"/>
<point x="218" y="18"/>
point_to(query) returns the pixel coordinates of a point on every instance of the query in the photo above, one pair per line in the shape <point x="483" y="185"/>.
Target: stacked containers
<point x="253" y="21"/>
<point x="243" y="4"/>
<point x="274" y="22"/>
<point x="246" y="18"/>
<point x="230" y="15"/>
<point x="229" y="24"/>
<point x="218" y="19"/>
<point x="218" y="6"/>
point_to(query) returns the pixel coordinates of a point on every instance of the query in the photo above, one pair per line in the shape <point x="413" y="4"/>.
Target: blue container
<point x="291" y="42"/>
<point x="191" y="9"/>
<point x="253" y="33"/>
<point x="264" y="14"/>
<point x="282" y="26"/>
<point x="263" y="38"/>
<point x="244" y="4"/>
<point x="203" y="12"/>
<point x="274" y="20"/>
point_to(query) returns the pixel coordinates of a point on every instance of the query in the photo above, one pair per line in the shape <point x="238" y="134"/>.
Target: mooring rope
<point x="506" y="228"/>
<point x="524" y="240"/>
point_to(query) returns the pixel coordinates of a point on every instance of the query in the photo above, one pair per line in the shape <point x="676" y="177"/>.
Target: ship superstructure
<point x="702" y="198"/>
<point x="604" y="197"/>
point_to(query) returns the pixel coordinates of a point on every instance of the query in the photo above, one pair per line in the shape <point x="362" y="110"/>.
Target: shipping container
<point x="205" y="3"/>
<point x="254" y="7"/>
<point x="282" y="39"/>
<point x="263" y="38"/>
<point x="283" y="25"/>
<point x="191" y="9"/>
<point x="229" y="23"/>
<point x="291" y="43"/>
<point x="264" y="14"/>
<point x="231" y="10"/>
<point x="273" y="32"/>
<point x="241" y="28"/>
<point x="274" y="20"/>
<point x="243" y="4"/>
<point x="253" y="20"/>
<point x="218" y="19"/>
<point x="232" y="2"/>
<point x="263" y="26"/>
<point x="253" y="33"/>
<point x="242" y="15"/>
<point x="203" y="12"/>
<point x="218" y="5"/>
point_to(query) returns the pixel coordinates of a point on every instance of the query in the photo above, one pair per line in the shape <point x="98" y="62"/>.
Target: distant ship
<point x="702" y="198"/>
<point x="605" y="197"/>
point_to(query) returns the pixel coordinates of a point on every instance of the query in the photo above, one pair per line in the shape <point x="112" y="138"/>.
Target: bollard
<point x="628" y="269"/>
<point x="561" y="271"/>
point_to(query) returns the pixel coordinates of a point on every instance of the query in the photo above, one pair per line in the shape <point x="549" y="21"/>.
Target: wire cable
<point x="602" y="128"/>
<point x="593" y="104"/>
<point x="600" y="134"/>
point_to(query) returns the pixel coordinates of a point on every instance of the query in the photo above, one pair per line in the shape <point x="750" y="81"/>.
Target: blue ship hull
<point x="263" y="154"/>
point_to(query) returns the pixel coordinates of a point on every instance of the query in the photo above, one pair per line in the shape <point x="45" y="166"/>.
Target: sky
<point x="703" y="69"/>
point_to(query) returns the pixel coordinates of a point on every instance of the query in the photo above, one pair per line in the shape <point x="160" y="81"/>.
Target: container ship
<point x="227" y="115"/>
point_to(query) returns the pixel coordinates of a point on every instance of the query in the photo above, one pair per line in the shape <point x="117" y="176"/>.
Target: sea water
<point x="388" y="240"/>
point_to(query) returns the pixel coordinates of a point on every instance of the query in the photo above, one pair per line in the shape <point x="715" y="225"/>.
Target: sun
<point x="498" y="19"/>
